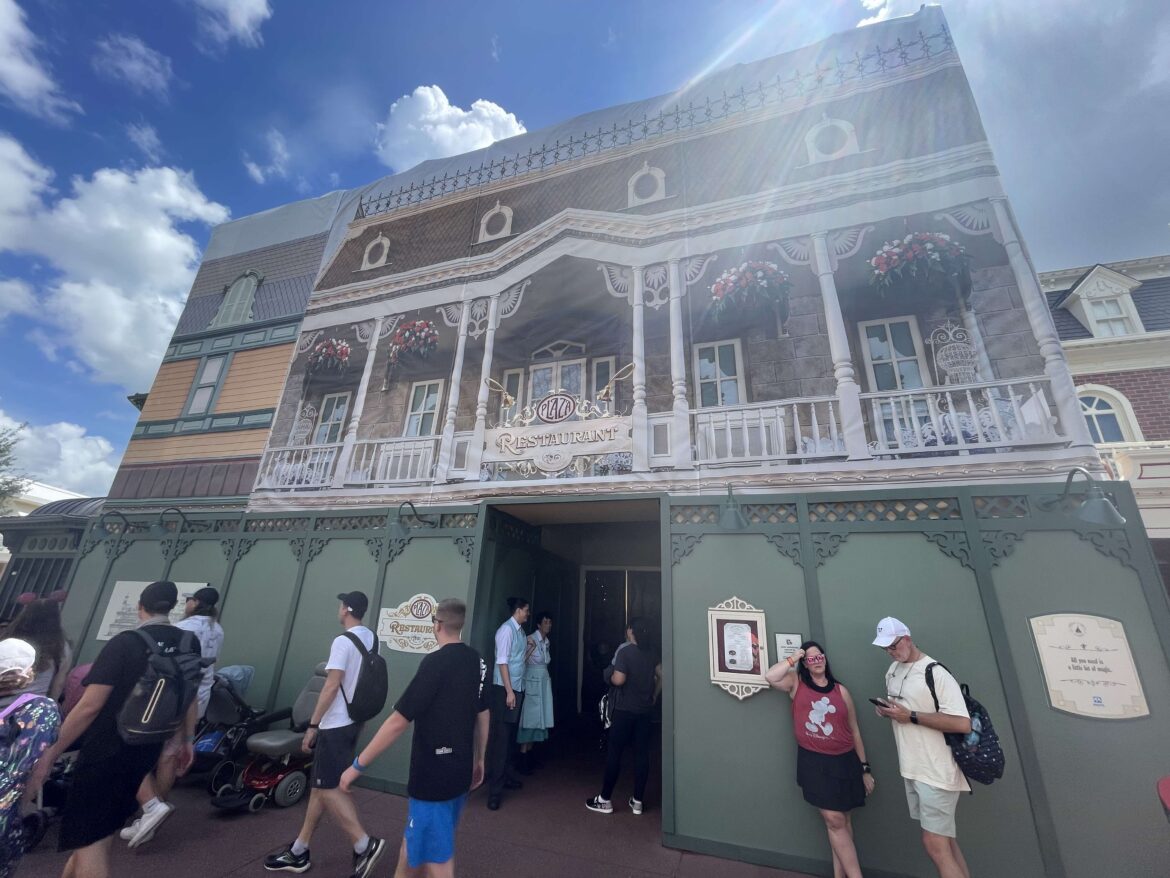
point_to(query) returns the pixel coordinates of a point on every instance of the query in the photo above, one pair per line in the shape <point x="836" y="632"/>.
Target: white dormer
<point x="1101" y="301"/>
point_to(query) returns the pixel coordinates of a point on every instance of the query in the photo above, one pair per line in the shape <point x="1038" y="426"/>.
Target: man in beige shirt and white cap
<point x="933" y="780"/>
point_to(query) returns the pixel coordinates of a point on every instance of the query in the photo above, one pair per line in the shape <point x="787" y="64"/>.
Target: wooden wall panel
<point x="235" y="443"/>
<point x="169" y="392"/>
<point x="255" y="379"/>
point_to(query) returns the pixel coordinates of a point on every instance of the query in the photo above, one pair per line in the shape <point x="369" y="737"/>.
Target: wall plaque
<point x="1088" y="666"/>
<point x="408" y="627"/>
<point x="122" y="609"/>
<point x="737" y="643"/>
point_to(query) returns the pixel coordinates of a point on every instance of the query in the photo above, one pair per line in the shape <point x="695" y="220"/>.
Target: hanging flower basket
<point x="749" y="289"/>
<point x="330" y="355"/>
<point x="417" y="338"/>
<point x="924" y="263"/>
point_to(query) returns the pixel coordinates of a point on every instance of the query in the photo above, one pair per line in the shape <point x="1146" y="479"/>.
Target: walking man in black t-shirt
<point x="448" y="705"/>
<point x="102" y="793"/>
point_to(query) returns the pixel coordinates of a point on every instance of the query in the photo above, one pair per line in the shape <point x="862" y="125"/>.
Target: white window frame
<point x="519" y="394"/>
<point x="344" y="396"/>
<point x="593" y="364"/>
<point x="556" y="366"/>
<point x="1123" y="317"/>
<point x="438" y="408"/>
<point x="919" y="351"/>
<point x="1131" y="430"/>
<point x="740" y="378"/>
<point x="215" y="386"/>
<point x="238" y="300"/>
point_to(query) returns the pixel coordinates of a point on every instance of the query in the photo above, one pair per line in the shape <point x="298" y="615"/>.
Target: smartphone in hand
<point x="877" y="702"/>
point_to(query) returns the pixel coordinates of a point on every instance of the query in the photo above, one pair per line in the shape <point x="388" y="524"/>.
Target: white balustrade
<point x="298" y="467"/>
<point x="930" y="420"/>
<point x="795" y="429"/>
<point x="391" y="461"/>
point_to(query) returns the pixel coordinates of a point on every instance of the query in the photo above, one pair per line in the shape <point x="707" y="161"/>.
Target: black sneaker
<point x="287" y="861"/>
<point x="600" y="805"/>
<point x="363" y="864"/>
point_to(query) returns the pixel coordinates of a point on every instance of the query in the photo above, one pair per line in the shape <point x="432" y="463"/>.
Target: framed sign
<point x="1088" y="666"/>
<point x="738" y="647"/>
<point x="786" y="645"/>
<point x="122" y="609"/>
<point x="408" y="627"/>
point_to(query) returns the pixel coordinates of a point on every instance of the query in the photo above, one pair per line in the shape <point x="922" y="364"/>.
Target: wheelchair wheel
<point x="291" y="789"/>
<point x="223" y="774"/>
<point x="224" y="790"/>
<point x="257" y="802"/>
<point x="33" y="828"/>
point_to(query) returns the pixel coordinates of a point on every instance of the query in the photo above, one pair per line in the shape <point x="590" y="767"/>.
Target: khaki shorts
<point x="933" y="808"/>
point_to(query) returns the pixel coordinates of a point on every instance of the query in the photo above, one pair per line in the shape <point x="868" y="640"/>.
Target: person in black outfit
<point x="636" y="676"/>
<point x="109" y="770"/>
<point x="448" y="703"/>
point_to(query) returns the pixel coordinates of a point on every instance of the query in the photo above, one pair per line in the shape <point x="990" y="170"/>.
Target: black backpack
<point x="373" y="683"/>
<point x="978" y="753"/>
<point x="156" y="706"/>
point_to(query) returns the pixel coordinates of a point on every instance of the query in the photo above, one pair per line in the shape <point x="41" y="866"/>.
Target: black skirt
<point x="832" y="783"/>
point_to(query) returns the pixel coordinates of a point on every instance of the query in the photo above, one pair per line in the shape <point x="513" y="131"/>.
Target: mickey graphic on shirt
<point x="818" y="717"/>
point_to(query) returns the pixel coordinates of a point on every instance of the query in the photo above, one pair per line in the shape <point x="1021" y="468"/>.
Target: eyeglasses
<point x="435" y="620"/>
<point x="894" y="645"/>
<point x="814" y="659"/>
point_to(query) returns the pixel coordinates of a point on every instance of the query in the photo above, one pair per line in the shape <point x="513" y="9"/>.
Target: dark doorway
<point x="612" y="597"/>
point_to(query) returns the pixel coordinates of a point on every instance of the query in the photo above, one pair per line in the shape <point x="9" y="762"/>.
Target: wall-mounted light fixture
<point x="404" y="522"/>
<point x="159" y="528"/>
<point x="1096" y="508"/>
<point x="101" y="530"/>
<point x="730" y="516"/>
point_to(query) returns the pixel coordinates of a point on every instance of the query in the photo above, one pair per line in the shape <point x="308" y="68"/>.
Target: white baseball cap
<point x="16" y="655"/>
<point x="890" y="629"/>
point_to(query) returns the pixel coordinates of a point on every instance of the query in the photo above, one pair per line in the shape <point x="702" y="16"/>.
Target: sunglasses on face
<point x="814" y="659"/>
<point x="894" y="645"/>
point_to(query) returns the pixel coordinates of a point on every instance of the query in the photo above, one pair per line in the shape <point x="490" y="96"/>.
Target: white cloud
<point x="278" y="158"/>
<point x="425" y="125"/>
<point x="222" y="21"/>
<point x="24" y="79"/>
<point x="126" y="58"/>
<point x="145" y="137"/>
<point x="123" y="263"/>
<point x="64" y="455"/>
<point x="495" y="47"/>
<point x="22" y="182"/>
<point x="16" y="297"/>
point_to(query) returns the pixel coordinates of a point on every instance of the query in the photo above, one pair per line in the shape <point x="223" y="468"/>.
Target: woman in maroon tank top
<point x="830" y="763"/>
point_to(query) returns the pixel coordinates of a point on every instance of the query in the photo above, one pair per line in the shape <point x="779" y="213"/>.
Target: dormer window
<point x="236" y="307"/>
<point x="1101" y="301"/>
<point x="1109" y="318"/>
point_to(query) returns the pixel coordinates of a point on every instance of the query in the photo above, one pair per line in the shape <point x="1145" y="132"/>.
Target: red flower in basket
<point x="753" y="284"/>
<point x="329" y="354"/>
<point x="921" y="256"/>
<point x="417" y="337"/>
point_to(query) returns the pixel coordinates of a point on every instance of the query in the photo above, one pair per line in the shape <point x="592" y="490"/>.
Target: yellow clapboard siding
<point x="255" y="380"/>
<point x="234" y="443"/>
<point x="169" y="392"/>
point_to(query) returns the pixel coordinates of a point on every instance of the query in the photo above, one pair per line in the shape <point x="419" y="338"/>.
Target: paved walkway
<point x="543" y="831"/>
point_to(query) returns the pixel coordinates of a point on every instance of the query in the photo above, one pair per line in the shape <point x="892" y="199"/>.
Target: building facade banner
<point x="408" y="627"/>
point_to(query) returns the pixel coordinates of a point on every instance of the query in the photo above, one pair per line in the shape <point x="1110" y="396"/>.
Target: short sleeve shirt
<point x="443" y="701"/>
<point x="923" y="754"/>
<point x="120" y="665"/>
<point x="345" y="657"/>
<point x="636" y="695"/>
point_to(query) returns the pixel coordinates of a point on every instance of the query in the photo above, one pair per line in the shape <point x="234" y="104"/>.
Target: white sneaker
<point x="600" y="805"/>
<point x="150" y="821"/>
<point x="128" y="832"/>
<point x="635" y="805"/>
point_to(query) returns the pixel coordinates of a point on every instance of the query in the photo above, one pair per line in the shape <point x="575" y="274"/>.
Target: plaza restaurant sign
<point x="545" y="435"/>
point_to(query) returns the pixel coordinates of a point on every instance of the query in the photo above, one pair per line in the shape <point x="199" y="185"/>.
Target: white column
<point x="1040" y="318"/>
<point x="475" y="452"/>
<point x="680" y="433"/>
<point x="971" y="324"/>
<point x="447" y="441"/>
<point x="345" y="455"/>
<point x="641" y="451"/>
<point x="848" y="393"/>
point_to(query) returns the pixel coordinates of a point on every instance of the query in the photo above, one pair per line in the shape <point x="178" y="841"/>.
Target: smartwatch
<point x="914" y="717"/>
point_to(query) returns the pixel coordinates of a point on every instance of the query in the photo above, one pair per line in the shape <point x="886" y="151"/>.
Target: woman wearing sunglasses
<point x="830" y="764"/>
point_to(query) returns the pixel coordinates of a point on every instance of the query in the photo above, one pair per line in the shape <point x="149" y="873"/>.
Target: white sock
<point x="156" y="802"/>
<point x="299" y="847"/>
<point x="361" y="844"/>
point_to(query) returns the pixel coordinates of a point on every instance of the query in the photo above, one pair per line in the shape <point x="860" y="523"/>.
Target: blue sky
<point x="129" y="127"/>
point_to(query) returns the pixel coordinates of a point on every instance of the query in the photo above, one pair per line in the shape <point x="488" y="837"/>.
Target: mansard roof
<point x="1151" y="298"/>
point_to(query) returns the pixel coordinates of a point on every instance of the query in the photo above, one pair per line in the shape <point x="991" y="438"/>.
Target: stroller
<point x="276" y="769"/>
<point x="227" y="723"/>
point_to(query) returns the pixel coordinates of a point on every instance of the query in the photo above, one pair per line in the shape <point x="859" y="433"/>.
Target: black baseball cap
<point x="205" y="597"/>
<point x="159" y="597"/>
<point x="356" y="602"/>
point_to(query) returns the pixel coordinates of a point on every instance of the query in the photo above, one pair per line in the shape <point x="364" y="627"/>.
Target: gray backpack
<point x="155" y="707"/>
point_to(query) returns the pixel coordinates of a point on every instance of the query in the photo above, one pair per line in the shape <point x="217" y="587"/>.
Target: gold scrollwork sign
<point x="545" y="437"/>
<point x="408" y="627"/>
<point x="737" y="643"/>
<point x="1088" y="666"/>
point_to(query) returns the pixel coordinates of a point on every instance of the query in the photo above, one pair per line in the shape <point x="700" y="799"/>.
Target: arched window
<point x="237" y="302"/>
<point x="1108" y="415"/>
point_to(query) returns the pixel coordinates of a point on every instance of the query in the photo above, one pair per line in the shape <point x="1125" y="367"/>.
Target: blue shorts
<point x="430" y="830"/>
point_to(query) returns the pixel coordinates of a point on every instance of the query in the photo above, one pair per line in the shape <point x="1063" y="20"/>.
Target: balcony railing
<point x="1000" y="414"/>
<point x="377" y="462"/>
<point x="784" y="430"/>
<point x="298" y="468"/>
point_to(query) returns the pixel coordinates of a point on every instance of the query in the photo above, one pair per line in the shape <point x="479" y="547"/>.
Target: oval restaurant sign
<point x="551" y="441"/>
<point x="407" y="627"/>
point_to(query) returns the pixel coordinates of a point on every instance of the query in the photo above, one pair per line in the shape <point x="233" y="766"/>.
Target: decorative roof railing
<point x="800" y="84"/>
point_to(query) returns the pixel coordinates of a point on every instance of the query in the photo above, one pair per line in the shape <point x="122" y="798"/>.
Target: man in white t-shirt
<point x="932" y="778"/>
<point x="332" y="739"/>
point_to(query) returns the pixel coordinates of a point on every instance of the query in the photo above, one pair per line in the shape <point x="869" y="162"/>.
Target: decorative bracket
<point x="477" y="318"/>
<point x="954" y="544"/>
<point x="308" y="339"/>
<point x="310" y="550"/>
<point x="173" y="547"/>
<point x="234" y="550"/>
<point x="395" y="547"/>
<point x="466" y="547"/>
<point x="682" y="545"/>
<point x="827" y="544"/>
<point x="842" y="244"/>
<point x="1111" y="543"/>
<point x="115" y="548"/>
<point x="973" y="219"/>
<point x="1000" y="544"/>
<point x="789" y="546"/>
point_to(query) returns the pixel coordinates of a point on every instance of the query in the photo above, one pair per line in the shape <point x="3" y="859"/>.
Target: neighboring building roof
<point x="289" y="222"/>
<point x="78" y="507"/>
<point x="1151" y="299"/>
<point x="274" y="298"/>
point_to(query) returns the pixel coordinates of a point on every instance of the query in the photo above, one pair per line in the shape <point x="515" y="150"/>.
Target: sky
<point x="129" y="128"/>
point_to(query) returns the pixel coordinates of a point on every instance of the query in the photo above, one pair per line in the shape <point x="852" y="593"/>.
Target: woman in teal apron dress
<point x="536" y="715"/>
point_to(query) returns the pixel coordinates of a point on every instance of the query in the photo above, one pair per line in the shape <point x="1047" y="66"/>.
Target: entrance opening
<point x="594" y="566"/>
